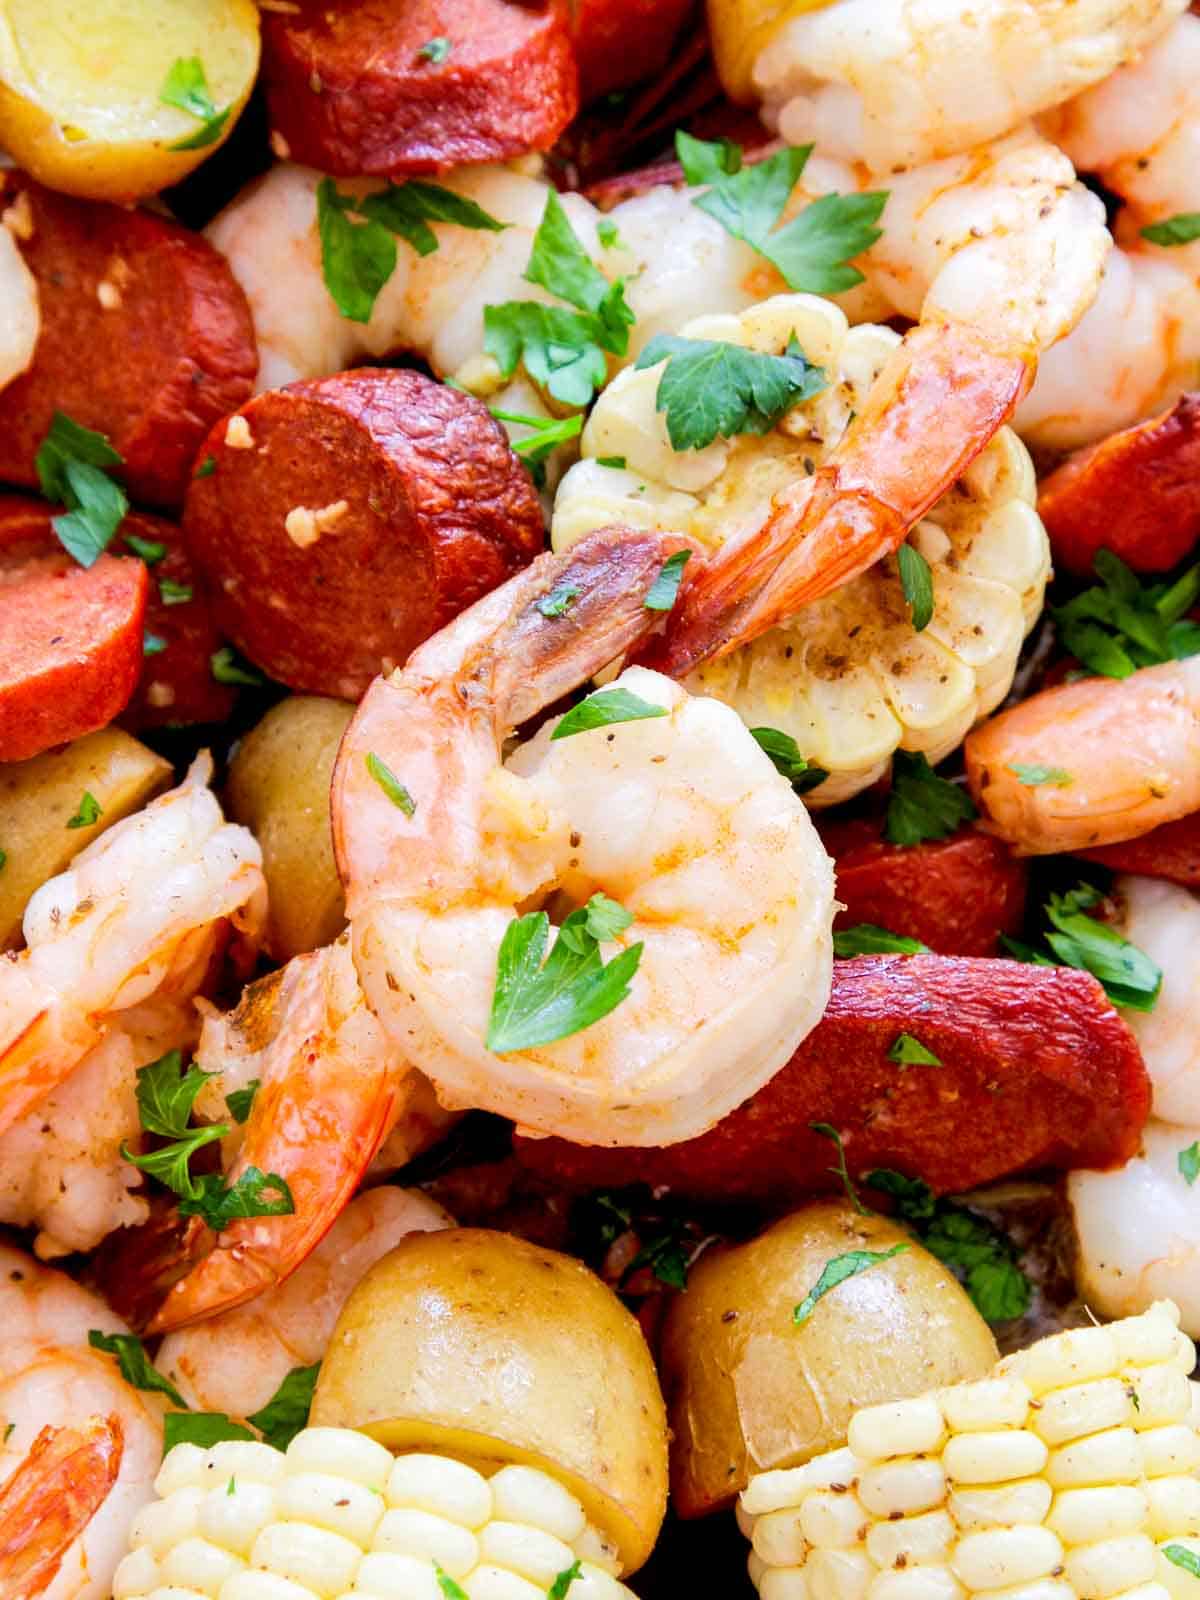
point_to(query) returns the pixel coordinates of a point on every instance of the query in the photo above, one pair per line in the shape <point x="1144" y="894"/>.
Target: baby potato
<point x="279" y="789"/>
<point x="82" y="85"/>
<point x="748" y="1390"/>
<point x="40" y="797"/>
<point x="484" y="1347"/>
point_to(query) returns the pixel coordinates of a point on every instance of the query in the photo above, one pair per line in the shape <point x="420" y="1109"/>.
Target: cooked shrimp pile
<point x="599" y="799"/>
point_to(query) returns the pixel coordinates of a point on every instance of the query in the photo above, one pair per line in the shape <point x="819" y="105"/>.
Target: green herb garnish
<point x="71" y="465"/>
<point x="710" y="389"/>
<point x="836" y="1271"/>
<point x="603" y="709"/>
<point x="391" y="785"/>
<point x="916" y="580"/>
<point x="922" y="805"/>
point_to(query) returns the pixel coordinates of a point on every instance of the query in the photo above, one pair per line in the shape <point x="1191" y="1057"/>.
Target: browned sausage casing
<point x="346" y="519"/>
<point x="1037" y="1069"/>
<point x="370" y="86"/>
<point x="145" y="337"/>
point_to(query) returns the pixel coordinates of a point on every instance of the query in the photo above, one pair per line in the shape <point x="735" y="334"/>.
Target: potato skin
<point x="40" y="796"/>
<point x="478" y="1343"/>
<point x="279" y="789"/>
<point x="747" y="1390"/>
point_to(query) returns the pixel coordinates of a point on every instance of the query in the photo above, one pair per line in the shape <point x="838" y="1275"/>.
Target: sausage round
<point x="145" y="338"/>
<point x="346" y="519"/>
<point x="619" y="42"/>
<point x="70" y="636"/>
<point x="369" y="86"/>
<point x="1171" y="851"/>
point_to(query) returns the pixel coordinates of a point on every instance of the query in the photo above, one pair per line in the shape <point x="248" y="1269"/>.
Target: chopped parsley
<point x="72" y="466"/>
<point x="784" y="752"/>
<point x="206" y="468"/>
<point x="241" y="1101"/>
<point x="1180" y="1556"/>
<point x="559" y="601"/>
<point x="153" y="644"/>
<point x="608" y="236"/>
<point x="3" y="859"/>
<point x="548" y="433"/>
<point x="436" y="50"/>
<point x="916" y="580"/>
<point x="1033" y="775"/>
<point x="836" y="1271"/>
<point x="617" y="463"/>
<point x="828" y="1131"/>
<point x="1078" y="940"/>
<point x="922" y="805"/>
<point x="865" y="939"/>
<point x="1120" y="624"/>
<point x="136" y="1366"/>
<point x="712" y="389"/>
<point x="664" y="591"/>
<point x="202" y="1428"/>
<point x="286" y="1413"/>
<point x="172" y="593"/>
<point x="391" y="785"/>
<point x="447" y="1585"/>
<point x="150" y="551"/>
<point x="1188" y="1161"/>
<point x="907" y="1051"/>
<point x="227" y="668"/>
<point x="561" y="1586"/>
<point x="89" y="811"/>
<point x="603" y="709"/>
<point x="1182" y="228"/>
<point x="186" y="87"/>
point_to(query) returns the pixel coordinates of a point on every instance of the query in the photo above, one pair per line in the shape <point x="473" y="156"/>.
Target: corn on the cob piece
<point x="339" y="1518"/>
<point x="849" y="679"/>
<point x="1066" y="1475"/>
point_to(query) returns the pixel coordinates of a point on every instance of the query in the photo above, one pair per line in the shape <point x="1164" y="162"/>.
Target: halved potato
<point x="81" y="84"/>
<point x="478" y="1345"/>
<point x="39" y="797"/>
<point x="748" y="1390"/>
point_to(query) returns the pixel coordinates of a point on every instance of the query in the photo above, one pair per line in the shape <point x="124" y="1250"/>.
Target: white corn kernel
<point x="1112" y="1457"/>
<point x="246" y="1459"/>
<point x="985" y="1404"/>
<point x="421" y="1534"/>
<point x="445" y="1487"/>
<point x="337" y="1503"/>
<point x="342" y="1452"/>
<point x="756" y="1567"/>
<point x="1185" y="1352"/>
<point x="903" y="1428"/>
<point x="163" y="1523"/>
<point x="924" y="1541"/>
<point x="523" y="1494"/>
<point x="181" y="1468"/>
<point x="785" y="1583"/>
<point x="324" y="1561"/>
<point x="198" y="1564"/>
<point x="1163" y="1394"/>
<point x="994" y="1457"/>
<point x="839" y="1575"/>
<point x="1146" y="1340"/>
<point x="778" y="1538"/>
<point x="1039" y="1589"/>
<point x="1002" y="1507"/>
<point x="1169" y="1450"/>
<point x="136" y="1574"/>
<point x="744" y="1520"/>
<point x="902" y="1486"/>
<point x="497" y="1583"/>
<point x="172" y="1591"/>
<point x="916" y="1583"/>
<point x="598" y="1549"/>
<point x="529" y="1552"/>
<point x="592" y="1583"/>
<point x="1084" y="1516"/>
<point x="1062" y="1359"/>
<point x="787" y="1486"/>
<point x="235" y="1515"/>
<point x="1099" y="1571"/>
<point x="1000" y="1557"/>
<point x="1174" y="1506"/>
<point x="1147" y="1591"/>
<point x="263" y="1586"/>
<point x="831" y="1521"/>
<point x="388" y="1575"/>
<point x="1082" y="1409"/>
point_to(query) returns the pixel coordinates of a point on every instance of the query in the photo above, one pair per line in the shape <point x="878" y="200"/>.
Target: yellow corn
<point x="337" y="1517"/>
<point x="1070" y="1474"/>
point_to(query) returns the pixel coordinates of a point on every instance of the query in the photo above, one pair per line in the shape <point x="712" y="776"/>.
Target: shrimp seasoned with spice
<point x="658" y="801"/>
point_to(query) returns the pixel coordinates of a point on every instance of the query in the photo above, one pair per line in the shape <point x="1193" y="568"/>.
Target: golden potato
<point x="39" y="797"/>
<point x="493" y="1350"/>
<point x="81" y="85"/>
<point x="279" y="789"/>
<point x="739" y="29"/>
<point x="748" y="1390"/>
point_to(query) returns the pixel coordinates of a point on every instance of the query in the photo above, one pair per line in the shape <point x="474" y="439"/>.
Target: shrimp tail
<point x="934" y="407"/>
<point x="51" y="1498"/>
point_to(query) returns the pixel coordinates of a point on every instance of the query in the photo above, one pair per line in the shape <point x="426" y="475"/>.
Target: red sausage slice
<point x="145" y="337"/>
<point x="619" y="42"/>
<point x="348" y="518"/>
<point x="70" y="636"/>
<point x="1037" y="1070"/>
<point x="1171" y="852"/>
<point x="1136" y="493"/>
<point x="956" y="895"/>
<point x="369" y="86"/>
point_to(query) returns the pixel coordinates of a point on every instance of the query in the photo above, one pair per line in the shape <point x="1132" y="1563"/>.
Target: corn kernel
<point x="523" y="1494"/>
<point x="1148" y="1339"/>
<point x="996" y="1457"/>
<point x="246" y="1459"/>
<point x="497" y="1583"/>
<point x="445" y="1487"/>
<point x="912" y="1541"/>
<point x="1185" y="1352"/>
<point x="263" y="1586"/>
<point x="430" y="1538"/>
<point x="233" y="1516"/>
<point x="778" y="1538"/>
<point x="999" y="1557"/>
<point x="1084" y="1516"/>
<point x="529" y="1552"/>
<point x="904" y="1428"/>
<point x="1002" y="1507"/>
<point x="1082" y="1409"/>
<point x="136" y="1574"/>
<point x="336" y="1503"/>
<point x="839" y="1575"/>
<point x="197" y="1564"/>
<point x="1062" y="1359"/>
<point x="1112" y="1457"/>
<point x="325" y="1561"/>
<point x="787" y="1486"/>
<point x="1039" y="1589"/>
<point x="591" y="1583"/>
<point x="1147" y="1591"/>
<point x="181" y="1468"/>
<point x="1110" y="1567"/>
<point x="388" y="1575"/>
<point x="341" y="1452"/>
<point x="1168" y="1450"/>
<point x="1163" y="1395"/>
<point x="174" y="1592"/>
<point x="1174" y="1506"/>
<point x="985" y="1404"/>
<point x="163" y="1523"/>
<point x="916" y="1583"/>
<point x="831" y="1521"/>
<point x="784" y="1583"/>
<point x="902" y="1486"/>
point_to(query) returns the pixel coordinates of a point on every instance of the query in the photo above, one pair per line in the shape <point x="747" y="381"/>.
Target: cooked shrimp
<point x="48" y="1502"/>
<point x="1164" y="921"/>
<point x="847" y="678"/>
<point x="679" y="816"/>
<point x="894" y="83"/>
<point x="20" y="319"/>
<point x="1139" y="345"/>
<point x="50" y="1379"/>
<point x="136" y="914"/>
<point x="1129" y="750"/>
<point x="332" y="1088"/>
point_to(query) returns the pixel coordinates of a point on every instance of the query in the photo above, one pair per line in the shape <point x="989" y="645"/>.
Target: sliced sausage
<point x="956" y="895"/>
<point x="145" y="337"/>
<point x="1136" y="493"/>
<point x="619" y="42"/>
<point x="70" y="636"/>
<point x="1037" y="1069"/>
<point x="348" y="518"/>
<point x="177" y="684"/>
<point x="369" y="86"/>
<point x="1171" y="852"/>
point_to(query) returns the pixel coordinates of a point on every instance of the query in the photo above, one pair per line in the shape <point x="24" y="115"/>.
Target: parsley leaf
<point x="603" y="708"/>
<point x="866" y="939"/>
<point x="712" y="389"/>
<point x="286" y="1412"/>
<point x="836" y="1271"/>
<point x="664" y="591"/>
<point x="186" y="87"/>
<point x="561" y="1586"/>
<point x="535" y="1004"/>
<point x="784" y="752"/>
<point x="3" y="859"/>
<point x="226" y="668"/>
<point x="241" y="1101"/>
<point x="136" y="1366"/>
<point x="1180" y="1556"/>
<point x="172" y="593"/>
<point x="559" y="601"/>
<point x="171" y="1165"/>
<point x="916" y="580"/>
<point x="206" y="468"/>
<point x="813" y="250"/>
<point x="608" y="236"/>
<point x="1120" y="624"/>
<point x="165" y="1099"/>
<point x="150" y="550"/>
<point x="617" y="463"/>
<point x="667" y="1254"/>
<point x="391" y="785"/>
<point x="548" y="433"/>
<point x="153" y="644"/>
<point x="828" y="1131"/>
<point x="447" y="1585"/>
<point x="89" y="811"/>
<point x="436" y="50"/>
<point x="72" y="464"/>
<point x="1182" y="228"/>
<point x="407" y="209"/>
<point x="1033" y="775"/>
<point x="1129" y="976"/>
<point x="203" y="1428"/>
<point x="1189" y="1163"/>
<point x="253" y="1194"/>
<point x="908" y="1051"/>
<point x="922" y="805"/>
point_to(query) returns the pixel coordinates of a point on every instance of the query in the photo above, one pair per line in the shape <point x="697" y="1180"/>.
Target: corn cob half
<point x="337" y="1517"/>
<point x="1069" y="1474"/>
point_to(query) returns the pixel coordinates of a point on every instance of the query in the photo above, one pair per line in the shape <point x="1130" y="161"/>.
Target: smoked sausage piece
<point x="346" y="519"/>
<point x="1136" y="493"/>
<point x="619" y="42"/>
<point x="1171" y="852"/>
<point x="70" y="636"/>
<point x="956" y="895"/>
<point x="369" y="86"/>
<point x="145" y="338"/>
<point x="1036" y="1069"/>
